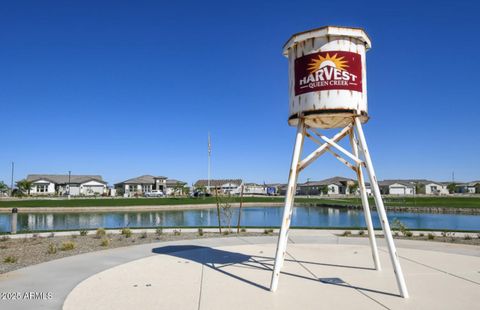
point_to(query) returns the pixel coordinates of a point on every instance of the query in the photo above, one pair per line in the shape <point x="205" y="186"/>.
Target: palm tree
<point x="24" y="186"/>
<point x="353" y="188"/>
<point x="3" y="187"/>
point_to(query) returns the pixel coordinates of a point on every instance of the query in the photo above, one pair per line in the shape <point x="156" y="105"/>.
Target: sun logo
<point x="334" y="61"/>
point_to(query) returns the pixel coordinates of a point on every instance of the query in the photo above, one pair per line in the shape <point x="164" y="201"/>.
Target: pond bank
<point x="143" y="208"/>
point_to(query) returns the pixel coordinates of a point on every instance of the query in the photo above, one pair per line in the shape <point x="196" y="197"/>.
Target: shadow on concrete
<point x="218" y="259"/>
<point x="213" y="258"/>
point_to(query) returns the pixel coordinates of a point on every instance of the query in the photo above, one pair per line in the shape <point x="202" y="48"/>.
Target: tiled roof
<point x="63" y="178"/>
<point x="216" y="183"/>
<point x="143" y="179"/>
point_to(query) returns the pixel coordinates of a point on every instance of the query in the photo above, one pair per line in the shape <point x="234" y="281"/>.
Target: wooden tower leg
<point x="381" y="211"/>
<point x="287" y="211"/>
<point x="365" y="204"/>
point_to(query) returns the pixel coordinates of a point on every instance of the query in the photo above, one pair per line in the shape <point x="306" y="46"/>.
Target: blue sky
<point x="124" y="88"/>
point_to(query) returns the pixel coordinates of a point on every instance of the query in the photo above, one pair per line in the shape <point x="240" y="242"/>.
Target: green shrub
<point x="100" y="232"/>
<point x="347" y="233"/>
<point x="243" y="230"/>
<point x="10" y="259"/>
<point x="143" y="235"/>
<point x="177" y="232"/>
<point x="408" y="234"/>
<point x="431" y="236"/>
<point x="105" y="242"/>
<point x="200" y="232"/>
<point x="159" y="231"/>
<point x="399" y="226"/>
<point x="268" y="231"/>
<point x="422" y="235"/>
<point x="361" y="233"/>
<point x="127" y="232"/>
<point x="67" y="246"/>
<point x="52" y="248"/>
<point x="83" y="232"/>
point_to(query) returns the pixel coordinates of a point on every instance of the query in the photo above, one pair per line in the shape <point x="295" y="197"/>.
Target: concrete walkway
<point x="321" y="271"/>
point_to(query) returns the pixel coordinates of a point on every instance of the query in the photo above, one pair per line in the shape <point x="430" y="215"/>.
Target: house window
<point x="42" y="188"/>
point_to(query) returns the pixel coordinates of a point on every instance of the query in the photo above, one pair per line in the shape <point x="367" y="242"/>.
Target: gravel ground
<point x="449" y="237"/>
<point x="22" y="252"/>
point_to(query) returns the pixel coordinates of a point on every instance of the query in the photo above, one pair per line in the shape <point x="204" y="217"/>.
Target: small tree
<point x="420" y="188"/>
<point x="451" y="188"/>
<point x="24" y="186"/>
<point x="353" y="188"/>
<point x="224" y="211"/>
<point x="3" y="187"/>
<point x="323" y="189"/>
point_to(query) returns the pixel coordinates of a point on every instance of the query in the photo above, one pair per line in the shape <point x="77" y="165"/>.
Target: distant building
<point x="434" y="188"/>
<point x="254" y="189"/>
<point x="276" y="189"/>
<point x="396" y="187"/>
<point x="147" y="183"/>
<point x="175" y="187"/>
<point x="474" y="187"/>
<point x="468" y="188"/>
<point x="332" y="186"/>
<point x="222" y="186"/>
<point x="141" y="185"/>
<point x="420" y="186"/>
<point x="63" y="184"/>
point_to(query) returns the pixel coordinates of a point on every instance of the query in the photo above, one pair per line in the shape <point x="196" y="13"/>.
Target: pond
<point x="251" y="216"/>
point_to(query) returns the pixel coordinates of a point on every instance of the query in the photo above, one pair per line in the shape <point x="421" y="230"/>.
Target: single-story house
<point x="396" y="187"/>
<point x="64" y="184"/>
<point x="474" y="187"/>
<point x="175" y="187"/>
<point x="468" y="187"/>
<point x="333" y="186"/>
<point x="435" y="188"/>
<point x="147" y="183"/>
<point x="421" y="186"/>
<point x="254" y="189"/>
<point x="222" y="186"/>
<point x="141" y="185"/>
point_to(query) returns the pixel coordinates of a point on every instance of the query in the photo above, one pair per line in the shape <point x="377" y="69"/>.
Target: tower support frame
<point x="360" y="156"/>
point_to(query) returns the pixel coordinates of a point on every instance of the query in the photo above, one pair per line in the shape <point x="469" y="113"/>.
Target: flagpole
<point x="209" y="165"/>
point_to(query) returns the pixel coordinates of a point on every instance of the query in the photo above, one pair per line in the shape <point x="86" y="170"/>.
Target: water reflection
<point x="258" y="216"/>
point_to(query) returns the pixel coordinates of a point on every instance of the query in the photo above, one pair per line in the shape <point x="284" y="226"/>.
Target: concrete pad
<point x="151" y="283"/>
<point x="321" y="271"/>
<point x="313" y="276"/>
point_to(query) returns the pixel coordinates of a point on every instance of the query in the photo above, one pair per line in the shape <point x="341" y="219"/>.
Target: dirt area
<point x="21" y="252"/>
<point x="449" y="237"/>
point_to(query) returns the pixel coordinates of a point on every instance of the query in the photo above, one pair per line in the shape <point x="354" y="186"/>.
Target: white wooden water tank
<point x="327" y="76"/>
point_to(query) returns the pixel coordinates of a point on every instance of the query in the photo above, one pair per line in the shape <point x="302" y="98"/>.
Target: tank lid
<point x="358" y="33"/>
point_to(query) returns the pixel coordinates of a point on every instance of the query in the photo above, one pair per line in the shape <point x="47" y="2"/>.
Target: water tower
<point x="328" y="89"/>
